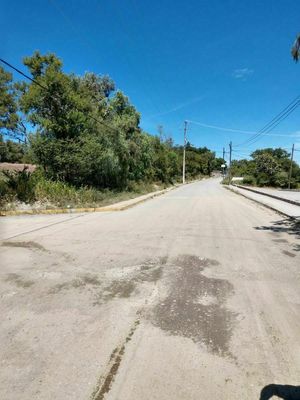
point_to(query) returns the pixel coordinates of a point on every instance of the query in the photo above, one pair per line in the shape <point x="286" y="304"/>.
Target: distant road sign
<point x="223" y="165"/>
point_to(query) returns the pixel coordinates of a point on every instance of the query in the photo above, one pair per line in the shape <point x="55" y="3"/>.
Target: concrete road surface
<point x="192" y="295"/>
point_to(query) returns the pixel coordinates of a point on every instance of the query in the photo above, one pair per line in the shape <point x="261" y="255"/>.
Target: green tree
<point x="11" y="151"/>
<point x="53" y="105"/>
<point x="8" y="106"/>
<point x="88" y="134"/>
<point x="217" y="163"/>
<point x="268" y="167"/>
<point x="199" y="161"/>
<point x="296" y="49"/>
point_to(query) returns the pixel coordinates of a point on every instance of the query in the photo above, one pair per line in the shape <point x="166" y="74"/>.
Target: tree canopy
<point x="86" y="132"/>
<point x="267" y="167"/>
<point x="296" y="49"/>
<point x="8" y="105"/>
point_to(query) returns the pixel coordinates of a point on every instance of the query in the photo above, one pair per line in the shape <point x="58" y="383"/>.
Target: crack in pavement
<point x="105" y="382"/>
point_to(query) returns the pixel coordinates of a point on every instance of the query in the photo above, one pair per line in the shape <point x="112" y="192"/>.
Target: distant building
<point x="16" y="167"/>
<point x="237" y="179"/>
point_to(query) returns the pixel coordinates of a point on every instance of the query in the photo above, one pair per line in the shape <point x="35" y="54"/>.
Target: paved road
<point x="192" y="295"/>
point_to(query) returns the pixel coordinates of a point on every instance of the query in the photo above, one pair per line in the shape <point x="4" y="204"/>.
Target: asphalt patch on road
<point x="150" y="271"/>
<point x="80" y="282"/>
<point x="195" y="305"/>
<point x="119" y="288"/>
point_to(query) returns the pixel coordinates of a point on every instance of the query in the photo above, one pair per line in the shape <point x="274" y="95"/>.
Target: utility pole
<point x="230" y="154"/>
<point x="184" y="143"/>
<point x="223" y="164"/>
<point x="291" y="167"/>
<point x="160" y="132"/>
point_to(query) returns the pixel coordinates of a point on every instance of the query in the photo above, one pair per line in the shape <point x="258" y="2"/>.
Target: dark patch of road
<point x="149" y="273"/>
<point x="280" y="240"/>
<point x="123" y="288"/>
<point x="18" y="280"/>
<point x="25" y="245"/>
<point x="195" y="305"/>
<point x="80" y="282"/>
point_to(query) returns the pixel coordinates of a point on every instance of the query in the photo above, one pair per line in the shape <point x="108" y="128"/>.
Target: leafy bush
<point x="268" y="167"/>
<point x="249" y="180"/>
<point x="226" y="181"/>
<point x="19" y="184"/>
<point x="263" y="179"/>
<point x="5" y="194"/>
<point x="62" y="194"/>
<point x="281" y="179"/>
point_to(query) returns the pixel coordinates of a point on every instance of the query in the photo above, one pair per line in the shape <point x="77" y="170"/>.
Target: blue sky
<point x="225" y="63"/>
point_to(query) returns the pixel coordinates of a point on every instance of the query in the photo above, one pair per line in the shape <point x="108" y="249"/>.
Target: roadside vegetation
<point x="21" y="189"/>
<point x="267" y="167"/>
<point x="85" y="138"/>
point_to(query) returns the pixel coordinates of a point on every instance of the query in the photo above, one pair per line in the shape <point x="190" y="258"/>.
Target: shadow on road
<point x="285" y="392"/>
<point x="286" y="225"/>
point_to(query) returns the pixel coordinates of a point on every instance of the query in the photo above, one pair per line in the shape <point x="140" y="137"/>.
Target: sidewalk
<point x="290" y="196"/>
<point x="282" y="206"/>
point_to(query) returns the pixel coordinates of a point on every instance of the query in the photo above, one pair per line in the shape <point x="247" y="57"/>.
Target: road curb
<point x="120" y="206"/>
<point x="262" y="204"/>
<point x="295" y="203"/>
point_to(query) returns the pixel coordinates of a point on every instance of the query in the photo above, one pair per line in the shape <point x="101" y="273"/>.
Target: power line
<point x="283" y="117"/>
<point x="263" y="131"/>
<point x="258" y="137"/>
<point x="287" y="109"/>
<point x="274" y="122"/>
<point x="57" y="97"/>
<point x="221" y="128"/>
<point x="227" y="129"/>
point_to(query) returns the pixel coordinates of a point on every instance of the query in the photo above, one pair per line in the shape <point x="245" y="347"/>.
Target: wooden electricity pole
<point x="184" y="144"/>
<point x="291" y="166"/>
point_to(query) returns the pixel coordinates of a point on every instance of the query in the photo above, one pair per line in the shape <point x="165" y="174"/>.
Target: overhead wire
<point x="227" y="129"/>
<point x="56" y="96"/>
<point x="273" y="123"/>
